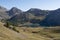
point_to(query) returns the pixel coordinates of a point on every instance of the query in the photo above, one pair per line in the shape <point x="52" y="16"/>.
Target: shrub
<point x="7" y="24"/>
<point x="15" y="29"/>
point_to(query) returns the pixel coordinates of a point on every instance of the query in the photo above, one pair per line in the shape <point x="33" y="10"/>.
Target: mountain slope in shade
<point x="32" y="16"/>
<point x="53" y="19"/>
<point x="37" y="12"/>
<point x="42" y="17"/>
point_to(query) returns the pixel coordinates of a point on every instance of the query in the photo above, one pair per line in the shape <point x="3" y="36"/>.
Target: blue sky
<point x="27" y="4"/>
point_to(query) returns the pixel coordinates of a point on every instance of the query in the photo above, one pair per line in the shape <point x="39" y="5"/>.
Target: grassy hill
<point x="27" y="33"/>
<point x="7" y="34"/>
<point x="41" y="33"/>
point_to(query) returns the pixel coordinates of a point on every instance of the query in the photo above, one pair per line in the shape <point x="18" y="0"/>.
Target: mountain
<point x="53" y="19"/>
<point x="3" y="13"/>
<point x="33" y="15"/>
<point x="7" y="14"/>
<point x="37" y="12"/>
<point x="38" y="16"/>
<point x="14" y="11"/>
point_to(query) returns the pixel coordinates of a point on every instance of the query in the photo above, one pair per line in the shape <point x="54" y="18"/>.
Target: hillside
<point x="29" y="33"/>
<point x="8" y="34"/>
<point x="53" y="19"/>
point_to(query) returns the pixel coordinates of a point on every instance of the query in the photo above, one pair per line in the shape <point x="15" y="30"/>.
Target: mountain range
<point x="33" y="16"/>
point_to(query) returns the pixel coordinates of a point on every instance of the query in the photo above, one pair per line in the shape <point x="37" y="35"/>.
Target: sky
<point x="27" y="4"/>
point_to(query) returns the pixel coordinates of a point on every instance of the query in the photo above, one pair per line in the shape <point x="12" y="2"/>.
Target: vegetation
<point x="29" y="33"/>
<point x="7" y="24"/>
<point x="16" y="24"/>
<point x="15" y="29"/>
<point x="45" y="32"/>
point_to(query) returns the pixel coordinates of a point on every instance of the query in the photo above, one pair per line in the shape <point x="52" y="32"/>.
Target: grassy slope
<point x="32" y="36"/>
<point x="26" y="34"/>
<point x="7" y="34"/>
<point x="41" y="33"/>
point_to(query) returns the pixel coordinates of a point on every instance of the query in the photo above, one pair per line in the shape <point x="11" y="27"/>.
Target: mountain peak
<point x="14" y="10"/>
<point x="3" y="8"/>
<point x="58" y="9"/>
<point x="32" y="9"/>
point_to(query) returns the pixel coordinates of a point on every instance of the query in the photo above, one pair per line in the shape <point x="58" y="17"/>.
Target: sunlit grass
<point x="27" y="33"/>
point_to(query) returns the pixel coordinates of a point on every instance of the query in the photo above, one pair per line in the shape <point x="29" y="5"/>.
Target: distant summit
<point x="3" y="13"/>
<point x="2" y="8"/>
<point x="37" y="12"/>
<point x="32" y="16"/>
<point x="14" y="11"/>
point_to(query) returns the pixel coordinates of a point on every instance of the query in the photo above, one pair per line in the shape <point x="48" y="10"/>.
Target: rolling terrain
<point x="33" y="24"/>
<point x="28" y="33"/>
